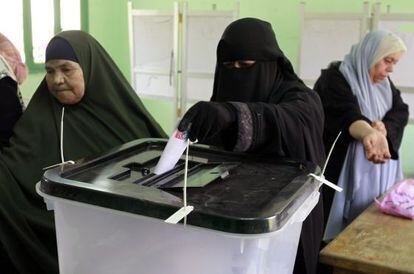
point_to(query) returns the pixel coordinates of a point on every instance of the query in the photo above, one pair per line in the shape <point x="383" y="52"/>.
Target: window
<point x="11" y="22"/>
<point x="30" y="24"/>
<point x="41" y="13"/>
<point x="70" y="14"/>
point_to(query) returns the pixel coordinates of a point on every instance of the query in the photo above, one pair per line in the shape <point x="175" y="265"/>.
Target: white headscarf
<point x="390" y="43"/>
<point x="374" y="99"/>
<point x="12" y="56"/>
<point x="361" y="179"/>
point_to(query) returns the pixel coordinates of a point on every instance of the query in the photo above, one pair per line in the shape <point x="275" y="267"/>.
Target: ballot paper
<point x="172" y="152"/>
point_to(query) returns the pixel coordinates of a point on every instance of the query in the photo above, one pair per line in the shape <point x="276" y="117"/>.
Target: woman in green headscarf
<point x="83" y="107"/>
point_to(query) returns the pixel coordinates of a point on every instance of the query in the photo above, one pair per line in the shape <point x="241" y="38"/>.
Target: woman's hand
<point x="380" y="126"/>
<point x="376" y="147"/>
<point x="206" y="119"/>
<point x="375" y="143"/>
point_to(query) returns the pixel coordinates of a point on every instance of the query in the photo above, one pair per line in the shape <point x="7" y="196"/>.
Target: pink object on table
<point x="399" y="200"/>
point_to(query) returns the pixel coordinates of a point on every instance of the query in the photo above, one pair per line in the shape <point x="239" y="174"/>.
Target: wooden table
<point x="373" y="243"/>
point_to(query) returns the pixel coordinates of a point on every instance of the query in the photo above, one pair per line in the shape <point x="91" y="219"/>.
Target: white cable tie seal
<point x="62" y="158"/>
<point x="322" y="180"/>
<point x="59" y="164"/>
<point x="186" y="209"/>
<point x="179" y="215"/>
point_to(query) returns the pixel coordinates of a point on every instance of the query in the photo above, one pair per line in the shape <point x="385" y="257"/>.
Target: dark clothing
<point x="276" y="113"/>
<point x="267" y="80"/>
<point x="10" y="109"/>
<point x="109" y="114"/>
<point x="290" y="127"/>
<point x="341" y="110"/>
<point x="59" y="48"/>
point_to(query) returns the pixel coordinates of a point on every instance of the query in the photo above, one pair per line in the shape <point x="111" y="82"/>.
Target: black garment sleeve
<point x="395" y="120"/>
<point x="340" y="104"/>
<point x="10" y="108"/>
<point x="290" y="128"/>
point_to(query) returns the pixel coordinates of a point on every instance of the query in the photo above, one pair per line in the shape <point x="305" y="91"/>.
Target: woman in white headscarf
<point x="361" y="101"/>
<point x="13" y="72"/>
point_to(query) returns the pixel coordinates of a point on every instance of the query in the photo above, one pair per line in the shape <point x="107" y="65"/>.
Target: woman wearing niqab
<point x="260" y="106"/>
<point x="108" y="115"/>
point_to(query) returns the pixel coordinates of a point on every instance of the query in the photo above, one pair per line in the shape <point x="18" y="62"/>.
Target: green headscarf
<point x="109" y="114"/>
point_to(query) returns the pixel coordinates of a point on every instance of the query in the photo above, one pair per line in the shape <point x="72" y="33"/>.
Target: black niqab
<point x="265" y="81"/>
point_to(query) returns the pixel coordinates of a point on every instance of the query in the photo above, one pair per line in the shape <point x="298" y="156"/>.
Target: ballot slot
<point x="199" y="173"/>
<point x="161" y="179"/>
<point x="136" y="164"/>
<point x="133" y="169"/>
<point x="113" y="166"/>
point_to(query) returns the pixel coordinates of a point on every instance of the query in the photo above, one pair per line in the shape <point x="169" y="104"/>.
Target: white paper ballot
<point x="172" y="152"/>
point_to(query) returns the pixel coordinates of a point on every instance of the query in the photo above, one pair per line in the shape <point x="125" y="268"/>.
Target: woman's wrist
<point x="360" y="129"/>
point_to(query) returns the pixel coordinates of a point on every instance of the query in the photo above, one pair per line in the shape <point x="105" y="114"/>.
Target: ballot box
<point x="110" y="212"/>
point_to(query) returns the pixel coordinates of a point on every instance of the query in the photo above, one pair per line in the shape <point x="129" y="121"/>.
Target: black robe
<point x="341" y="110"/>
<point x="277" y="114"/>
<point x="10" y="108"/>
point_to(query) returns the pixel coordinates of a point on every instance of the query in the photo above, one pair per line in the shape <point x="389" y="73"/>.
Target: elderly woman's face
<point x="65" y="81"/>
<point x="384" y="67"/>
